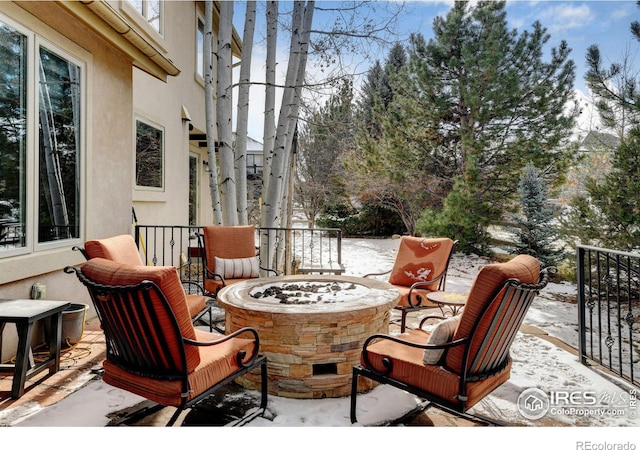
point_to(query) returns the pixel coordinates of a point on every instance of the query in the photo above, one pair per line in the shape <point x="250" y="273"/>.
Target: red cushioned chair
<point x="230" y="256"/>
<point x="123" y="249"/>
<point x="471" y="360"/>
<point x="153" y="350"/>
<point x="420" y="267"/>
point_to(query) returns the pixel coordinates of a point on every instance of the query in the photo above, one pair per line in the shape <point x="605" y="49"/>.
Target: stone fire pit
<point x="311" y="328"/>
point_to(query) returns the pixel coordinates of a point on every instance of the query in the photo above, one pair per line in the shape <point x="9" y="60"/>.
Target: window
<point x="41" y="121"/>
<point x="151" y="10"/>
<point x="254" y="165"/>
<point x="13" y="142"/>
<point x="59" y="107"/>
<point x="149" y="155"/>
<point x="193" y="188"/>
<point x="200" y="49"/>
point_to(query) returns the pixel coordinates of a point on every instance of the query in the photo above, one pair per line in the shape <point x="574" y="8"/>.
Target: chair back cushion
<point x="111" y="273"/>
<point x="484" y="289"/>
<point x="228" y="242"/>
<point x="420" y="259"/>
<point x="121" y="248"/>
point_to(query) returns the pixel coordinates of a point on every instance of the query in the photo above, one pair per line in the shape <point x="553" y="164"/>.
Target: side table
<point x="453" y="300"/>
<point x="24" y="314"/>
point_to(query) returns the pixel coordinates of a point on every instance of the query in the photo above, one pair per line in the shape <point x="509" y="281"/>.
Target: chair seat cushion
<point x="418" y="296"/>
<point x="216" y="363"/>
<point x="195" y="303"/>
<point x="213" y="285"/>
<point x="435" y="380"/>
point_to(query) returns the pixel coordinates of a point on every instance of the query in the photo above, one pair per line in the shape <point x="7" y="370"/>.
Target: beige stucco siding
<point x="106" y="185"/>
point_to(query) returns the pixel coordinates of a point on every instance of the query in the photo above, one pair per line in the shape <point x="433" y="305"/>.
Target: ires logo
<point x="534" y="403"/>
<point x="576" y="398"/>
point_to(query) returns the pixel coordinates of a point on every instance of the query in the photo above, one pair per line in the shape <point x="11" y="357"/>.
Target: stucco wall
<point x="163" y="103"/>
<point x="108" y="160"/>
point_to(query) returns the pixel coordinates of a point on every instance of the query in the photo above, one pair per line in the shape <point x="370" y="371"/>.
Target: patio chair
<point x="123" y="249"/>
<point x="230" y="256"/>
<point x="152" y="348"/>
<point x="420" y="267"/>
<point x="465" y="357"/>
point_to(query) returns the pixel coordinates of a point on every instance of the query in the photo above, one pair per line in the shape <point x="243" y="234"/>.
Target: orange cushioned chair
<point x="123" y="249"/>
<point x="420" y="267"/>
<point x="153" y="350"/>
<point x="230" y="256"/>
<point x="465" y="357"/>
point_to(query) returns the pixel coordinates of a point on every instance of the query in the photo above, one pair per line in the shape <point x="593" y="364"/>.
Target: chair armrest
<point x="387" y="361"/>
<point x="214" y="276"/>
<point x="241" y="357"/>
<point x="419" y="285"/>
<point x="190" y="286"/>
<point x="273" y="271"/>
<point x="376" y="274"/>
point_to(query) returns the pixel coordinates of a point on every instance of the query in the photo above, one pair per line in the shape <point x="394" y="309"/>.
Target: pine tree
<point x="608" y="214"/>
<point x="475" y="105"/>
<point x="535" y="233"/>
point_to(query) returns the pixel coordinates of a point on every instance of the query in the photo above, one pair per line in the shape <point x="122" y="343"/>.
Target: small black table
<point x="24" y="314"/>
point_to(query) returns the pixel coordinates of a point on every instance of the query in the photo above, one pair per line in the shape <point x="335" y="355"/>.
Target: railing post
<point x="582" y="338"/>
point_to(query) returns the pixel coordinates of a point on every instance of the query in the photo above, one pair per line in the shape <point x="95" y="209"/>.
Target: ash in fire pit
<point x="307" y="293"/>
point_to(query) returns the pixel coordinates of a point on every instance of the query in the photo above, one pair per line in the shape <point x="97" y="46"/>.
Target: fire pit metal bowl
<point x="311" y="328"/>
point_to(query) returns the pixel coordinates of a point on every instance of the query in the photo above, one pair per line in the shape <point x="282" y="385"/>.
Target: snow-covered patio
<point x="542" y="354"/>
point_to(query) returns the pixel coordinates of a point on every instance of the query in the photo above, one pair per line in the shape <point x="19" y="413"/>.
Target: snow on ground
<point x="537" y="364"/>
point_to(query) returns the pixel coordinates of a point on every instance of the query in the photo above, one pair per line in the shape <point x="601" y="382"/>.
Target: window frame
<point x="34" y="42"/>
<point x="139" y="118"/>
<point x="141" y="18"/>
<point x="199" y="60"/>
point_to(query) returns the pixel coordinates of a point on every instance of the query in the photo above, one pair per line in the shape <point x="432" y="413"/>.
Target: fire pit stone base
<point x="311" y="352"/>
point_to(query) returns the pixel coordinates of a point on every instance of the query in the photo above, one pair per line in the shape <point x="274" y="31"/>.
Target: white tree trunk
<point x="301" y="26"/>
<point x="210" y="113"/>
<point x="243" y="112"/>
<point x="224" y="110"/>
<point x="269" y="130"/>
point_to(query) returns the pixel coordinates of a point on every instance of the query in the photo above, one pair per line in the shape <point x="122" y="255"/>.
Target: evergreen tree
<point x="325" y="136"/>
<point x="368" y="161"/>
<point x="608" y="215"/>
<point x="535" y="232"/>
<point x="472" y="107"/>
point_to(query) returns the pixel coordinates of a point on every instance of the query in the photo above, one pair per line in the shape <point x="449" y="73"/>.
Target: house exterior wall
<point x="124" y="81"/>
<point x="106" y="193"/>
<point x="163" y="104"/>
<point x="107" y="158"/>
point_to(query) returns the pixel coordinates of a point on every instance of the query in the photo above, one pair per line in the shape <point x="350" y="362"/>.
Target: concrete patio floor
<point x="81" y="364"/>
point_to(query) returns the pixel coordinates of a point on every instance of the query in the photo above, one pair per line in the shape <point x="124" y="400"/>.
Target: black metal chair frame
<point x="514" y="304"/>
<point x="112" y="302"/>
<point x="417" y="306"/>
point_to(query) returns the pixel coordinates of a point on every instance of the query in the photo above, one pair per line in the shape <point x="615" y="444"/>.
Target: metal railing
<point x="286" y="250"/>
<point x="11" y="234"/>
<point x="293" y="251"/>
<point x="608" y="309"/>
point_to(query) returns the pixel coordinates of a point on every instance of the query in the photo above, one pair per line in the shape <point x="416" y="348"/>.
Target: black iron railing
<point x="609" y="309"/>
<point x="286" y="250"/>
<point x="11" y="234"/>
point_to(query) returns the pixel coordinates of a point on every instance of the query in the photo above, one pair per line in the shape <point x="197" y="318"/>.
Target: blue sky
<point x="605" y="23"/>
